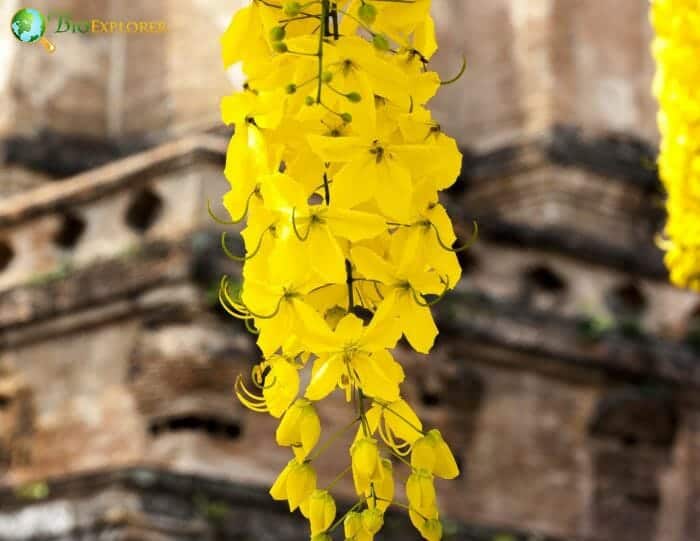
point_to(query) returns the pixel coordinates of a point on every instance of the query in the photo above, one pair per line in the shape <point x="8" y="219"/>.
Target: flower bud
<point x="320" y="510"/>
<point x="353" y="97"/>
<point x="280" y="47"/>
<point x="301" y="482"/>
<point x="277" y="33"/>
<point x="291" y="9"/>
<point x="372" y="520"/>
<point x="366" y="463"/>
<point x="420" y="489"/>
<point x="367" y="13"/>
<point x="432" y="453"/>
<point x="384" y="489"/>
<point x="326" y="76"/>
<point x="380" y="42"/>
<point x="300" y="428"/>
<point x="352" y="524"/>
<point x="432" y="530"/>
<point x="291" y="88"/>
<point x="347" y="117"/>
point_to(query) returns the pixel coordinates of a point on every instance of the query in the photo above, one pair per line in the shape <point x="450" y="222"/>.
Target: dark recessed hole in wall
<point x="210" y="425"/>
<point x="6" y="254"/>
<point x="627" y="299"/>
<point x="72" y="228"/>
<point x="430" y="399"/>
<point x="144" y="210"/>
<point x="544" y="278"/>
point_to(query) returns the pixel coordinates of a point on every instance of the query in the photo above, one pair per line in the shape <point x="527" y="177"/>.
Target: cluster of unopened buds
<point x="677" y="49"/>
<point x="335" y="166"/>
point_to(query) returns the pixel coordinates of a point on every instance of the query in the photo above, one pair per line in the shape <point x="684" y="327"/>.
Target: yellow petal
<point x="445" y="463"/>
<point x="355" y="225"/>
<point x="324" y="376"/>
<point x="374" y="382"/>
<point x="417" y="324"/>
<point x="301" y="482"/>
<point x="371" y="266"/>
<point x="279" y="487"/>
<point x="326" y="256"/>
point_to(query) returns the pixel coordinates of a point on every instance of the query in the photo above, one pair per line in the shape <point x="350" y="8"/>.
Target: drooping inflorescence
<point x="335" y="166"/>
<point x="676" y="48"/>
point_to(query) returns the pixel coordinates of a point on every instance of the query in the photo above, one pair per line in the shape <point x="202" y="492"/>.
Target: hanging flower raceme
<point x="335" y="168"/>
<point x="676" y="49"/>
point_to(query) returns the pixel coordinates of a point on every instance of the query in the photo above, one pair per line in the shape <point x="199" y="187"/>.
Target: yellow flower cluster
<point x="336" y="166"/>
<point x="677" y="49"/>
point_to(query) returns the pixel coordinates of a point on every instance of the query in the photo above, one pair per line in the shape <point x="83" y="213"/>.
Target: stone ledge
<point x="561" y="341"/>
<point x="122" y="174"/>
<point x="143" y="499"/>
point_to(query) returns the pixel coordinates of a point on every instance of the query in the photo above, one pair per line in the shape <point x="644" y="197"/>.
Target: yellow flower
<point x="295" y="483"/>
<point x="372" y="520"/>
<point x="355" y="351"/>
<point x="283" y="385"/>
<point x="320" y="510"/>
<point x="299" y="429"/>
<point x="383" y="489"/>
<point x="366" y="464"/>
<point x="431" y="453"/>
<point x="420" y="490"/>
<point x="408" y="279"/>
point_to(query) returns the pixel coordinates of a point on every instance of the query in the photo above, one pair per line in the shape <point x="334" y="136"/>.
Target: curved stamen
<point x="472" y="240"/>
<point x="294" y="226"/>
<point x="249" y="325"/>
<point x="402" y="449"/>
<point x="239" y="258"/>
<point x="248" y="313"/>
<point x="420" y="300"/>
<point x="459" y="75"/>
<point x="232" y="222"/>
<point x="248" y="399"/>
<point x="227" y="303"/>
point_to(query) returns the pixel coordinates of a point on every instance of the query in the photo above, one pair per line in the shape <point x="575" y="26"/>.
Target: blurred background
<point x="566" y="372"/>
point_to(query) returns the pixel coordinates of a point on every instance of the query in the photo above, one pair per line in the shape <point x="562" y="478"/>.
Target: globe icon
<point x="28" y="25"/>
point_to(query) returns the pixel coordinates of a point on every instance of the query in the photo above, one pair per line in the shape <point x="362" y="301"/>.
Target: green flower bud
<point x="347" y="117"/>
<point x="278" y="33"/>
<point x="367" y="13"/>
<point x="353" y="97"/>
<point x="327" y="77"/>
<point x="309" y="100"/>
<point x="380" y="42"/>
<point x="280" y="46"/>
<point x="291" y="88"/>
<point x="291" y="9"/>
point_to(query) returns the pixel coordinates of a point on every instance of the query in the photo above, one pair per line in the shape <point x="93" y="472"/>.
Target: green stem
<point x="325" y="6"/>
<point x="332" y="439"/>
<point x="341" y="519"/>
<point x="338" y="478"/>
<point x="349" y="281"/>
